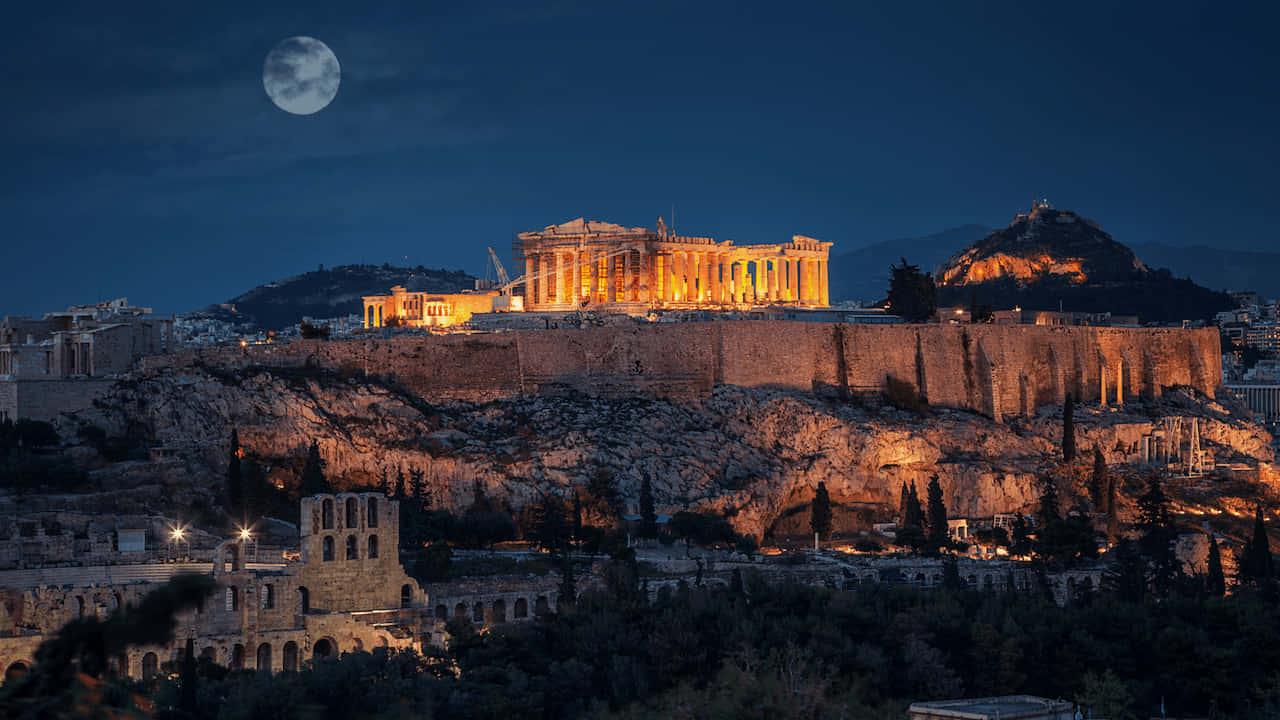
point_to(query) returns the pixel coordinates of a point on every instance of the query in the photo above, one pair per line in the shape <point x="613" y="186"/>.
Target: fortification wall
<point x="997" y="370"/>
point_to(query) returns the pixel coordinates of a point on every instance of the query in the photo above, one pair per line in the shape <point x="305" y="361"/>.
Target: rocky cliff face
<point x="755" y="455"/>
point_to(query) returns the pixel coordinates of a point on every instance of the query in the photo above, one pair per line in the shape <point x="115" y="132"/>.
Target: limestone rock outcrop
<point x="754" y="455"/>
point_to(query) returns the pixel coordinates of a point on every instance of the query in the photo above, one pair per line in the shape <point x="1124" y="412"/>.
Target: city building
<point x="634" y="270"/>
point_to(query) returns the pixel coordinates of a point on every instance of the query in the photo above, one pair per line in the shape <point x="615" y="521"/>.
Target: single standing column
<point x="1120" y="383"/>
<point x="824" y="295"/>
<point x="1102" y="378"/>
<point x="576" y="293"/>
<point x="529" y="267"/>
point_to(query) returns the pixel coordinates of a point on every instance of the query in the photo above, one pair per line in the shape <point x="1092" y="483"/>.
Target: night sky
<point x="141" y="156"/>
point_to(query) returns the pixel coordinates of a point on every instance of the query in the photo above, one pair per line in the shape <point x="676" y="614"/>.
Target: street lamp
<point x="246" y="538"/>
<point x="177" y="535"/>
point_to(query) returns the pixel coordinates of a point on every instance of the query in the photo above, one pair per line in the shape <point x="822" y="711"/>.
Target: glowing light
<point x="177" y="534"/>
<point x="245" y="534"/>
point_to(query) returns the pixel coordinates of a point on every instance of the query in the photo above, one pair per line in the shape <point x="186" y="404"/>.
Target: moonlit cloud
<point x="301" y="75"/>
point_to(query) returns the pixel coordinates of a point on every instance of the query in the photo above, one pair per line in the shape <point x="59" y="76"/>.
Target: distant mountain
<point x="1217" y="268"/>
<point x="324" y="293"/>
<point x="863" y="274"/>
<point x="1049" y="259"/>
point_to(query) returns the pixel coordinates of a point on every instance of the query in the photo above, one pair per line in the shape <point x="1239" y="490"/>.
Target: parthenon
<point x="636" y="269"/>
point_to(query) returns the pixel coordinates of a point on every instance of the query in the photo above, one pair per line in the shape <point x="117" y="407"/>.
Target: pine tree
<point x="313" y="481"/>
<point x="1069" y="430"/>
<point x="648" y="517"/>
<point x="1020" y="540"/>
<point x="911" y="534"/>
<point x="913" y="295"/>
<point x="397" y="490"/>
<point x="951" y="574"/>
<point x="235" y="480"/>
<point x="1157" y="537"/>
<point x="420" y="490"/>
<point x="937" y="515"/>
<point x="551" y="531"/>
<point x="1216" y="581"/>
<point x="1256" y="566"/>
<point x="1098" y="480"/>
<point x="820" y="518"/>
<point x="1125" y="575"/>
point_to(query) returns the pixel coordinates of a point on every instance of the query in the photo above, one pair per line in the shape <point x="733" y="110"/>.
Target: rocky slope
<point x="753" y="455"/>
<point x="1049" y="259"/>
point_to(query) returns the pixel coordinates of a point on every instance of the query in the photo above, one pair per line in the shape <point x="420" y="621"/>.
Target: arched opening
<point x="233" y="599"/>
<point x="77" y="608"/>
<point x="290" y="656"/>
<point x="988" y="583"/>
<point x="264" y="657"/>
<point x="268" y="596"/>
<point x="120" y="665"/>
<point x="521" y="609"/>
<point x="210" y="653"/>
<point x="304" y="601"/>
<point x="406" y="596"/>
<point x="460" y="610"/>
<point x="541" y="607"/>
<point x="353" y="513"/>
<point x="372" y="506"/>
<point x="150" y="665"/>
<point x="477" y="613"/>
<point x="326" y="549"/>
<point x="237" y="657"/>
<point x="442" y="612"/>
<point x="498" y="613"/>
<point x="373" y="547"/>
<point x="15" y="671"/>
<point x="326" y="514"/>
<point x="919" y="578"/>
<point x="353" y="553"/>
<point x="324" y="648"/>
<point x="116" y="601"/>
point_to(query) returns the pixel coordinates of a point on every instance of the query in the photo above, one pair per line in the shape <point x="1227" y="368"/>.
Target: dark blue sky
<point x="141" y="156"/>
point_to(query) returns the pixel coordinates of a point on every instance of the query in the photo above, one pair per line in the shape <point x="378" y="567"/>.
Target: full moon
<point x="301" y="75"/>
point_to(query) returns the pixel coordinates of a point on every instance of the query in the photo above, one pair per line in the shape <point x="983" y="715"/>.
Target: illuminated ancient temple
<point x="637" y="269"/>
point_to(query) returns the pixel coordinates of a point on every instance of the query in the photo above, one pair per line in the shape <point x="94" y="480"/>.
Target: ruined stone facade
<point x="999" y="371"/>
<point x="48" y="366"/>
<point x="346" y="592"/>
<point x="424" y="309"/>
<point x="637" y="269"/>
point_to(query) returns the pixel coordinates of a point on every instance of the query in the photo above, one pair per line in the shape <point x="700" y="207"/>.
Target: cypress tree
<point x="568" y="583"/>
<point x="397" y="489"/>
<point x="1216" y="582"/>
<point x="937" y="515"/>
<point x="577" y="518"/>
<point x="1158" y="535"/>
<point x="1113" y="511"/>
<point x="255" y="488"/>
<point x="1069" y="430"/>
<point x="820" y="518"/>
<point x="1256" y="566"/>
<point x="313" y="481"/>
<point x="1098" y="481"/>
<point x="1049" y="511"/>
<point x="235" y="480"/>
<point x="188" y="680"/>
<point x="903" y="501"/>
<point x="648" y="517"/>
<point x="911" y="534"/>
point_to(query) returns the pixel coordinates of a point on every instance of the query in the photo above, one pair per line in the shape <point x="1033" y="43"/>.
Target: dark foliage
<point x="820" y="513"/>
<point x="313" y="481"/>
<point x="912" y="294"/>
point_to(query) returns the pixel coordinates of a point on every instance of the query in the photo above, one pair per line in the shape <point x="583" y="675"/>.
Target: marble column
<point x="593" y="275"/>
<point x="704" y="277"/>
<point x="824" y="296"/>
<point x="761" y="283"/>
<point x="576" y="293"/>
<point x="530" y="266"/>
<point x="690" y="277"/>
<point x="793" y="280"/>
<point x="559" y="287"/>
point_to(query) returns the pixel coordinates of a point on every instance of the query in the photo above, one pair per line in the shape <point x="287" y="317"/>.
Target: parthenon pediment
<point x="582" y="226"/>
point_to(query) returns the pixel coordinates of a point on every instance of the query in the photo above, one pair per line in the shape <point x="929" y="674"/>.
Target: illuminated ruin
<point x="634" y="270"/>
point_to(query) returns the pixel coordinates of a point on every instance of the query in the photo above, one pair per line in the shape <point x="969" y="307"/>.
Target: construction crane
<point x="506" y="284"/>
<point x="499" y="271"/>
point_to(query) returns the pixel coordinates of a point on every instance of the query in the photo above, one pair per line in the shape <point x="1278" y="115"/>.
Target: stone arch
<point x="325" y="647"/>
<point x="442" y="612"/>
<point x="521" y="609"/>
<point x="372" y="550"/>
<point x="304" y="601"/>
<point x="972" y="581"/>
<point x="541" y="606"/>
<point x="210" y="652"/>
<point x="232" y="598"/>
<point x="120" y="665"/>
<point x="460" y="610"/>
<point x="920" y="578"/>
<point x="16" y="669"/>
<point x="406" y="596"/>
<point x="150" y="665"/>
<point x="326" y="548"/>
<point x="477" y="612"/>
<point x="352" y="513"/>
<point x="264" y="657"/>
<point x="358" y="645"/>
<point x="353" y="548"/>
<point x="326" y="514"/>
<point x="237" y="657"/>
<point x="290" y="656"/>
<point x="988" y="582"/>
<point x="498" y="610"/>
<point x="371" y="506"/>
<point x="77" y="607"/>
<point x="117" y="602"/>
